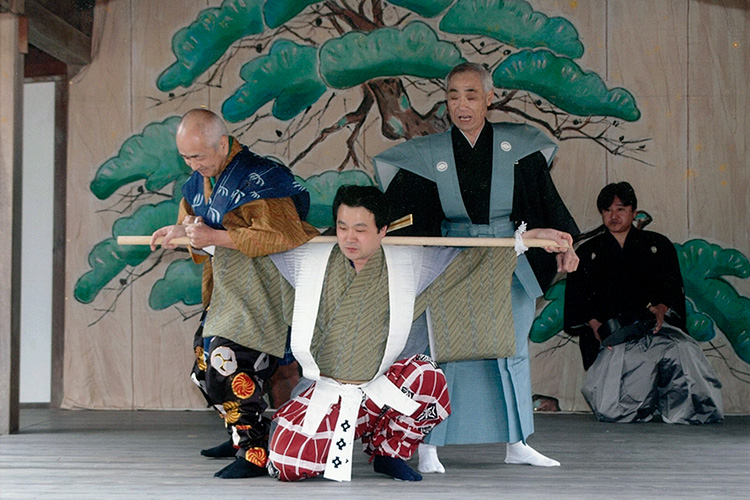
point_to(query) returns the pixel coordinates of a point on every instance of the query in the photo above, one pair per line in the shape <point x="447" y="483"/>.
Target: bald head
<point x="202" y="141"/>
<point x="205" y="123"/>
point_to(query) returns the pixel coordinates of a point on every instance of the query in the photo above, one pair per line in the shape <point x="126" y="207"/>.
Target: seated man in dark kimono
<point x="628" y="296"/>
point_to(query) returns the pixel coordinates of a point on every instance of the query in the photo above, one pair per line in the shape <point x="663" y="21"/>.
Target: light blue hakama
<point x="490" y="399"/>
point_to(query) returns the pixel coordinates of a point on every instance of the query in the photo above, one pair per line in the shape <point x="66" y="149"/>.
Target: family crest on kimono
<point x="627" y="299"/>
<point x="482" y="179"/>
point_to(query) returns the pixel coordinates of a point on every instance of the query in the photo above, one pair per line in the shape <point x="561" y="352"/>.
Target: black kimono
<point x="622" y="282"/>
<point x="535" y="198"/>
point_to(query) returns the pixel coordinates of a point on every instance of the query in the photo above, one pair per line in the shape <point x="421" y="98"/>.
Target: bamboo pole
<point x="388" y="240"/>
<point x="406" y="220"/>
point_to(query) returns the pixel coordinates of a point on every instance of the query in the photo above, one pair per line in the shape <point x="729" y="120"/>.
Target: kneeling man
<point x="628" y="295"/>
<point x="354" y="304"/>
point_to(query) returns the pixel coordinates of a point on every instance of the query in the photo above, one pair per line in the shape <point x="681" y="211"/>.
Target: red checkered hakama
<point x="384" y="431"/>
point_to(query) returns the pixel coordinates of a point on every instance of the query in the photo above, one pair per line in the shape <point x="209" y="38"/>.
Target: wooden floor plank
<point x="84" y="455"/>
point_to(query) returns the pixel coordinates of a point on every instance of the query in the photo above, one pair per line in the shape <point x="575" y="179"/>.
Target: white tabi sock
<point x="520" y="453"/>
<point x="428" y="459"/>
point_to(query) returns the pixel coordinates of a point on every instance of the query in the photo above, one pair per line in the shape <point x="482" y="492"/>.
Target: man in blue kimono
<point x="483" y="180"/>
<point x="237" y="200"/>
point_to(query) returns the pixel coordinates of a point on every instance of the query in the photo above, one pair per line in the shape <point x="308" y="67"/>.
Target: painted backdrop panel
<point x="579" y="171"/>
<point x="718" y="166"/>
<point x="649" y="92"/>
<point x="99" y="353"/>
<point x="163" y="341"/>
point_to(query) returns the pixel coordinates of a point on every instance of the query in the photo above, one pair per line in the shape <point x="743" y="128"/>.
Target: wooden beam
<point x="58" y="240"/>
<point x="56" y="37"/>
<point x="40" y="65"/>
<point x="11" y="131"/>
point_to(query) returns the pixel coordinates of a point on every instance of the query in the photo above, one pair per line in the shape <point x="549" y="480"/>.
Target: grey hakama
<point x="666" y="371"/>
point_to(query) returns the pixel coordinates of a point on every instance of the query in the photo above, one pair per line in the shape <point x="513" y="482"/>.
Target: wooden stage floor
<point x="80" y="455"/>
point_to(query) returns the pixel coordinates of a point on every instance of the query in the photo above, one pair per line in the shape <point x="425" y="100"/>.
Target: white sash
<point x="402" y="263"/>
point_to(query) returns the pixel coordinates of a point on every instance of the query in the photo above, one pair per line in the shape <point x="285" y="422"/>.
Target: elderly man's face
<point x="201" y="157"/>
<point x="468" y="102"/>
<point x="618" y="218"/>
<point x="357" y="234"/>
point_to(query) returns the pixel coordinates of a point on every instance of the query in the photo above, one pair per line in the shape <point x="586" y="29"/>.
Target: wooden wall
<point x="686" y="63"/>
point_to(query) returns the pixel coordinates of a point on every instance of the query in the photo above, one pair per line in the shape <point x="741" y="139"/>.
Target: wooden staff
<point x="426" y="241"/>
<point x="404" y="221"/>
<point x="391" y="240"/>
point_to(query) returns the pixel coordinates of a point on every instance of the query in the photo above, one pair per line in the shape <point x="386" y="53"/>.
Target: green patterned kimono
<point x="466" y="293"/>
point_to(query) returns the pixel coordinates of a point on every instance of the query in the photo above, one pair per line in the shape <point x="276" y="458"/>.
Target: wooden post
<point x="59" y="237"/>
<point x="11" y="131"/>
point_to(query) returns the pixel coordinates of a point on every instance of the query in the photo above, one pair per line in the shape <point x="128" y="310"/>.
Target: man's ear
<point x="383" y="230"/>
<point x="224" y="144"/>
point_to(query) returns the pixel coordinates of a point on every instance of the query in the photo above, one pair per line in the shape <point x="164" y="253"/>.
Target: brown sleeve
<point x="185" y="210"/>
<point x="207" y="279"/>
<point x="267" y="226"/>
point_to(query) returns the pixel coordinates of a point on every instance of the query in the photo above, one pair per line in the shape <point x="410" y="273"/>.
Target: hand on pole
<point x="166" y="234"/>
<point x="567" y="260"/>
<point x="200" y="234"/>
